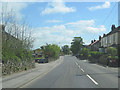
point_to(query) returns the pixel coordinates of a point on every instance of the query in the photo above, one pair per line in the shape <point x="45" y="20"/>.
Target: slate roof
<point x="94" y="42"/>
<point x="113" y="31"/>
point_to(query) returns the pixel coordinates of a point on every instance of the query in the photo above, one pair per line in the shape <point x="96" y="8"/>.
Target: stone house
<point x="112" y="39"/>
<point x="94" y="46"/>
<point x="37" y="53"/>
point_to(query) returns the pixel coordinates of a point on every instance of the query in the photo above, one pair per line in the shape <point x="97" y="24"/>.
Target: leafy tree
<point x="76" y="45"/>
<point x="16" y="43"/>
<point x="112" y="51"/>
<point x="66" y="49"/>
<point x="51" y="50"/>
<point x="84" y="52"/>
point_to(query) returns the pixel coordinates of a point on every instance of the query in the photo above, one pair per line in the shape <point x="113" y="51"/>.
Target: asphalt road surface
<point x="74" y="73"/>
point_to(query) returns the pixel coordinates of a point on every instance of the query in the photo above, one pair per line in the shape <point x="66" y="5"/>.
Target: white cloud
<point x="57" y="7"/>
<point x="14" y="7"/>
<point x="105" y="5"/>
<point x="63" y="34"/>
<point x="53" y="21"/>
<point x="86" y="26"/>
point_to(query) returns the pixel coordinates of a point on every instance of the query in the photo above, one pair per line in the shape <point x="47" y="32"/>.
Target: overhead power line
<point x="109" y="13"/>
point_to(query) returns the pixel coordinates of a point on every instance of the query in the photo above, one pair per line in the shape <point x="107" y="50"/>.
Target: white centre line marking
<point x="79" y="66"/>
<point x="76" y="63"/>
<point x="82" y="70"/>
<point x="92" y="79"/>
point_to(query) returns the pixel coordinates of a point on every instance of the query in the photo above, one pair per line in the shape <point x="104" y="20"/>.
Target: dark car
<point x="77" y="55"/>
<point x="36" y="60"/>
<point x="43" y="60"/>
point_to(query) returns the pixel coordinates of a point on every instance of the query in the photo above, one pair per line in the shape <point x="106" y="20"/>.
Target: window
<point x="109" y="39"/>
<point x="114" y="38"/>
<point x="105" y="40"/>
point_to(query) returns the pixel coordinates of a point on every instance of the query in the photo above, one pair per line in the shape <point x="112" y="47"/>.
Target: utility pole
<point x="119" y="38"/>
<point x="118" y="13"/>
<point x="118" y="46"/>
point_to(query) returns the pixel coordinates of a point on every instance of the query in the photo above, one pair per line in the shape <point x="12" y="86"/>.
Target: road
<point x="74" y="73"/>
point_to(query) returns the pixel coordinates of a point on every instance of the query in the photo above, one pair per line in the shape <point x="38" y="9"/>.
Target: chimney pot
<point x="113" y="27"/>
<point x="118" y="27"/>
<point x="103" y="35"/>
<point x="99" y="37"/>
<point x="91" y="41"/>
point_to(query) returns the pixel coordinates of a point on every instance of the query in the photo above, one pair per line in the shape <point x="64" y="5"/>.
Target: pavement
<point x="20" y="79"/>
<point x="74" y="73"/>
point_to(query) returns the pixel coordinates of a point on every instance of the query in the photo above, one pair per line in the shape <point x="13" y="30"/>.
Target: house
<point x="94" y="46"/>
<point x="112" y="39"/>
<point x="37" y="53"/>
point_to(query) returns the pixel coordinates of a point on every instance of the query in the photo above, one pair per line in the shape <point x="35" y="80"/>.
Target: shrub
<point x="84" y="53"/>
<point x="95" y="54"/>
<point x="103" y="59"/>
<point x="112" y="51"/>
<point x="51" y="51"/>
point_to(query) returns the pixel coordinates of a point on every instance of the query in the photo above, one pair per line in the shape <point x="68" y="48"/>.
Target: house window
<point x="114" y="39"/>
<point x="109" y="39"/>
<point x="102" y="42"/>
<point x="105" y="40"/>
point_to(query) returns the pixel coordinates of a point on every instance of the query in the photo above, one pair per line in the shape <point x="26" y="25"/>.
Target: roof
<point x="94" y="43"/>
<point x="113" y="31"/>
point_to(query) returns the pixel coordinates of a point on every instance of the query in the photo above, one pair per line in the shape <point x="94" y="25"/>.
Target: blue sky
<point x="34" y="10"/>
<point x="59" y="22"/>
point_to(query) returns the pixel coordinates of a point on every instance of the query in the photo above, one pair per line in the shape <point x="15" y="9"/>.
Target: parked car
<point x="77" y="55"/>
<point x="36" y="60"/>
<point x="43" y="60"/>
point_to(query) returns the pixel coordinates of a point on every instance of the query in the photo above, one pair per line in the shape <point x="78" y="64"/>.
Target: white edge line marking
<point x="82" y="69"/>
<point x="76" y="63"/>
<point x="92" y="79"/>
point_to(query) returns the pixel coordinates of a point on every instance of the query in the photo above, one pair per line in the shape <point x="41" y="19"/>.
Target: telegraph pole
<point x="118" y="13"/>
<point x="119" y="38"/>
<point x="118" y="46"/>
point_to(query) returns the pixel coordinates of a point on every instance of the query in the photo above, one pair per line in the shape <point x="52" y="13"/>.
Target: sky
<point x="59" y="22"/>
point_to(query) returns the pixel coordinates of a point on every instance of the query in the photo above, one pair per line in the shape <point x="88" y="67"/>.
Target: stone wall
<point x="13" y="67"/>
<point x="9" y="65"/>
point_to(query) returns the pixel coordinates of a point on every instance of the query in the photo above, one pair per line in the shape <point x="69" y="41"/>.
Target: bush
<point x="16" y="58"/>
<point x="51" y="51"/>
<point x="112" y="51"/>
<point x="108" y="60"/>
<point x="83" y="54"/>
<point x="104" y="59"/>
<point x="95" y="54"/>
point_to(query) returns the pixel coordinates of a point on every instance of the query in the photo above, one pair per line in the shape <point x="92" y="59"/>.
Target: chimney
<point x="118" y="27"/>
<point x="3" y="27"/>
<point x="91" y="41"/>
<point x="103" y="35"/>
<point x="113" y="27"/>
<point x="99" y="37"/>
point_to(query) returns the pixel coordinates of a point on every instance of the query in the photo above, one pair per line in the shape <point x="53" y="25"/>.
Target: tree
<point x="16" y="43"/>
<point x="66" y="49"/>
<point x="84" y="52"/>
<point x="76" y="45"/>
<point x="51" y="50"/>
<point x="112" y="51"/>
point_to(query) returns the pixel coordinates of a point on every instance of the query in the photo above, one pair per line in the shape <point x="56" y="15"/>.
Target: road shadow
<point x="104" y="65"/>
<point x="99" y="74"/>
